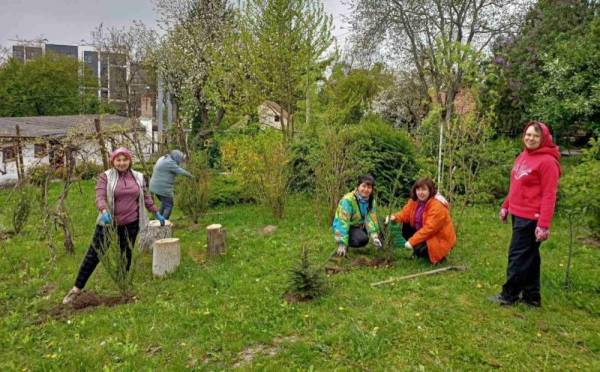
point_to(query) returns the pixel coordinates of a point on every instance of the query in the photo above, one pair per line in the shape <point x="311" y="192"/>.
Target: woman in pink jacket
<point x="121" y="200"/>
<point x="530" y="202"/>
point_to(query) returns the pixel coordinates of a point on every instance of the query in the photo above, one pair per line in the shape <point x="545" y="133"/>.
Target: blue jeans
<point x="166" y="205"/>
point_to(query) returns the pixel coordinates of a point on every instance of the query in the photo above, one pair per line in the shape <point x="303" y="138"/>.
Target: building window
<point x="40" y="150"/>
<point x="9" y="154"/>
<point x="276" y="118"/>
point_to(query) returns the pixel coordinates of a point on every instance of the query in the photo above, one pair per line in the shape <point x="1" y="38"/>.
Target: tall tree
<point x="195" y="30"/>
<point x="284" y="42"/>
<point x="435" y="38"/>
<point x="48" y="85"/>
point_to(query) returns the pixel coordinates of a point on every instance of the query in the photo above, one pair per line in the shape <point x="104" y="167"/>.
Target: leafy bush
<point x="192" y="193"/>
<point x="87" y="170"/>
<point x="21" y="208"/>
<point x="38" y="173"/>
<point x="495" y="163"/>
<point x="261" y="163"/>
<point x="579" y="190"/>
<point x="227" y="189"/>
<point x="387" y="153"/>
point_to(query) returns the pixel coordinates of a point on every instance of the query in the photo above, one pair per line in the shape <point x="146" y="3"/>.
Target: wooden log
<point x="154" y="231"/>
<point x="216" y="236"/>
<point x="166" y="255"/>
<point x="430" y="272"/>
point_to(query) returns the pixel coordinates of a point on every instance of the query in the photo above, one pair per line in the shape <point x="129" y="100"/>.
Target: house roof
<point x="276" y="108"/>
<point x="55" y="126"/>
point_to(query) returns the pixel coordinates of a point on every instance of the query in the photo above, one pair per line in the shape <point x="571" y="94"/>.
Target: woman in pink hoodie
<point x="531" y="200"/>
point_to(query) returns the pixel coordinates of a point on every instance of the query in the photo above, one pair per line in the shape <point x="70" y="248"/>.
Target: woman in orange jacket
<point x="426" y="222"/>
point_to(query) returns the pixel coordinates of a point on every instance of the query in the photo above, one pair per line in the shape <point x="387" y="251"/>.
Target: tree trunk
<point x="101" y="144"/>
<point x="166" y="255"/>
<point x="215" y="235"/>
<point x="154" y="231"/>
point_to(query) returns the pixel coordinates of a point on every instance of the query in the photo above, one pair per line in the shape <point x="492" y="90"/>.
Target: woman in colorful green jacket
<point x="355" y="217"/>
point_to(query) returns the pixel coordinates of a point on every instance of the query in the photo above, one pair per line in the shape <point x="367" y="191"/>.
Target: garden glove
<point x="160" y="218"/>
<point x="541" y="234"/>
<point x="389" y="218"/>
<point x="376" y="241"/>
<point x="106" y="218"/>
<point x="503" y="215"/>
<point x="408" y="245"/>
<point x="341" y="251"/>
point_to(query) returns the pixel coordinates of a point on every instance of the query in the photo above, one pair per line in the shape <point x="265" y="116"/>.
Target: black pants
<point x="358" y="237"/>
<point x="421" y="249"/>
<point x="523" y="271"/>
<point x="100" y="242"/>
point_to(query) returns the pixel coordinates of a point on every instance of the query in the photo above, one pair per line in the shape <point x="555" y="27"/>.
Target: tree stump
<point x="154" y="231"/>
<point x="166" y="254"/>
<point x="215" y="235"/>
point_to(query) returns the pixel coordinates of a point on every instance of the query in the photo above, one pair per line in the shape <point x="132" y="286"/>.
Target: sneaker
<point x="500" y="300"/>
<point x="71" y="295"/>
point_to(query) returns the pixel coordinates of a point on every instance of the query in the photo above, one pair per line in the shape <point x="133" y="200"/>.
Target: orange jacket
<point x="437" y="230"/>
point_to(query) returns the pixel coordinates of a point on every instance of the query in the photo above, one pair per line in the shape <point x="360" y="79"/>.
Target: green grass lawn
<point x="229" y="312"/>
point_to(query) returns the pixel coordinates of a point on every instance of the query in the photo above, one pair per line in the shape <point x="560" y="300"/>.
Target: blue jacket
<point x="165" y="170"/>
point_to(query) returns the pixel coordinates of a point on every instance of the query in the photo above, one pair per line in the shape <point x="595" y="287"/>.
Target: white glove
<point x="376" y="241"/>
<point x="341" y="251"/>
<point x="389" y="218"/>
<point x="408" y="245"/>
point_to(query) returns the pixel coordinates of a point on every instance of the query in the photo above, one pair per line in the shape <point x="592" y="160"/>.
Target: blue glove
<point x="106" y="218"/>
<point x="160" y="218"/>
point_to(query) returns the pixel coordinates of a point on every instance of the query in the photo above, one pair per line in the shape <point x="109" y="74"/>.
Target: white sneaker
<point x="71" y="295"/>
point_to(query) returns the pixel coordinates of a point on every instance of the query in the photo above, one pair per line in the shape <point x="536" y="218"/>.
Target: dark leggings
<point x="523" y="271"/>
<point x="421" y="249"/>
<point x="166" y="205"/>
<point x="100" y="242"/>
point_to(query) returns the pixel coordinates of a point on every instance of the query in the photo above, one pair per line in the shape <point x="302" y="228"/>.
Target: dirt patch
<point x="294" y="298"/>
<point x="377" y="262"/>
<point x="248" y="354"/>
<point x="269" y="229"/>
<point x="84" y="302"/>
<point x="332" y="270"/>
<point x="47" y="289"/>
<point x="6" y="234"/>
<point x="593" y="241"/>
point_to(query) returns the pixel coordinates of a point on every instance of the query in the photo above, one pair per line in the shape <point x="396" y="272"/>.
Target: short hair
<point x="368" y="179"/>
<point x="425" y="181"/>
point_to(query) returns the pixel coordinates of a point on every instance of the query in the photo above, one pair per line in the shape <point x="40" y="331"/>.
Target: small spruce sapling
<point x="306" y="282"/>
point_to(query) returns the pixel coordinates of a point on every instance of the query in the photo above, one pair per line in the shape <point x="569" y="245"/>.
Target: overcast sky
<point x="71" y="21"/>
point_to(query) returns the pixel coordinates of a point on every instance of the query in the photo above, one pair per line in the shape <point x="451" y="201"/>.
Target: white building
<point x="40" y="141"/>
<point x="272" y="115"/>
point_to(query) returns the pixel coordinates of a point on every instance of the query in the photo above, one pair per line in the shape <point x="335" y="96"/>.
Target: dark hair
<point x="427" y="182"/>
<point x="368" y="179"/>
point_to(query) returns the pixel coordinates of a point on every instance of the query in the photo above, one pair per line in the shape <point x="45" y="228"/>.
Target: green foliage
<point x="348" y="93"/>
<point x="579" y="190"/>
<point x="21" y="207"/>
<point x="386" y="153"/>
<point x="38" y="173"/>
<point x="226" y="189"/>
<point x="114" y="260"/>
<point x="495" y="162"/>
<point x="306" y="281"/>
<point x="192" y="194"/>
<point x="87" y="170"/>
<point x="261" y="163"/>
<point x="549" y="70"/>
<point x="48" y="85"/>
<point x="282" y="43"/>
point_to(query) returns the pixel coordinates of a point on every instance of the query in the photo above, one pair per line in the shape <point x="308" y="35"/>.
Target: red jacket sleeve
<point x="404" y="215"/>
<point x="550" y="173"/>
